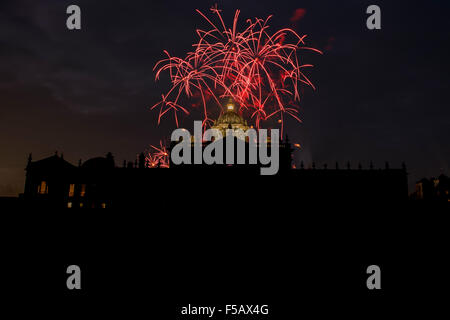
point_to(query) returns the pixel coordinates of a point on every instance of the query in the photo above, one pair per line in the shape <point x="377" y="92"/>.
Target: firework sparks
<point x="260" y="70"/>
<point x="157" y="157"/>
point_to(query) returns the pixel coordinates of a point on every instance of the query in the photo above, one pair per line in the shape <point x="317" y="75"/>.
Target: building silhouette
<point x="433" y="189"/>
<point x="100" y="183"/>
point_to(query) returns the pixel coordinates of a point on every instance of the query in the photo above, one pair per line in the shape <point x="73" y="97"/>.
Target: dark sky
<point x="381" y="95"/>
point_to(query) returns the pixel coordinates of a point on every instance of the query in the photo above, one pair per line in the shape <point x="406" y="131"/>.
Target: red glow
<point x="298" y="15"/>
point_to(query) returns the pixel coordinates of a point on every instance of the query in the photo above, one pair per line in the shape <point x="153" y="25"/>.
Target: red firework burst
<point x="157" y="157"/>
<point x="260" y="70"/>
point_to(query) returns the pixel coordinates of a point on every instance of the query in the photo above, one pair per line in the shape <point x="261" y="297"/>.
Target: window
<point x="81" y="204"/>
<point x="43" y="188"/>
<point x="83" y="190"/>
<point x="103" y="205"/>
<point x="69" y="204"/>
<point x="71" y="190"/>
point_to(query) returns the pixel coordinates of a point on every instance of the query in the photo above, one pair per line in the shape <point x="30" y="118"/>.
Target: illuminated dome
<point x="230" y="119"/>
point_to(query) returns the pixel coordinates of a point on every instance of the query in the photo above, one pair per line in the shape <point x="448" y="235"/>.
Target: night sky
<point x="381" y="95"/>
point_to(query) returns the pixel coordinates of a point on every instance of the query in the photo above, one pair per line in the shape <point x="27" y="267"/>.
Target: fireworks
<point x="157" y="157"/>
<point x="260" y="70"/>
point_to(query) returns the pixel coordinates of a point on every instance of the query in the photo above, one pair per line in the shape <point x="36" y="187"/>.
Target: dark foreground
<point x="304" y="258"/>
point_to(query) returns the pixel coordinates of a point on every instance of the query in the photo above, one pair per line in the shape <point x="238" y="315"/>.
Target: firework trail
<point x="260" y="70"/>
